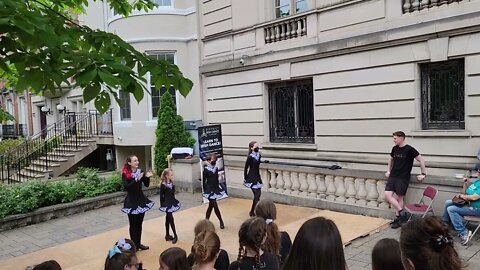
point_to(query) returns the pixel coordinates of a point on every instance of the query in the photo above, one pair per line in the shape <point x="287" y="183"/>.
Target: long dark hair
<point x="428" y="245"/>
<point x="48" y="265"/>
<point x="386" y="255"/>
<point x="251" y="235"/>
<point x="250" y="145"/>
<point x="127" y="169"/>
<point x="175" y="258"/>
<point x="266" y="209"/>
<point x="318" y="245"/>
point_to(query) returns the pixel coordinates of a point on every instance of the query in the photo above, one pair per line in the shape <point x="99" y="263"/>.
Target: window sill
<point x="290" y="146"/>
<point x="440" y="133"/>
<point x="123" y="124"/>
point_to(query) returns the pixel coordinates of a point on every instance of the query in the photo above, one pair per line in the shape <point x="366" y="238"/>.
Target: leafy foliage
<point x="26" y="197"/>
<point x="6" y="145"/>
<point x="43" y="48"/>
<point x="170" y="132"/>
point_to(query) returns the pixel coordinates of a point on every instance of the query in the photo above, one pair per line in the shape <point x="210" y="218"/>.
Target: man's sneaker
<point x="395" y="224"/>
<point x="466" y="237"/>
<point x="404" y="215"/>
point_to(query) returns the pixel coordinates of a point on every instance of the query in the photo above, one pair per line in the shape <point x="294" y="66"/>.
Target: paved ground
<point x="28" y="239"/>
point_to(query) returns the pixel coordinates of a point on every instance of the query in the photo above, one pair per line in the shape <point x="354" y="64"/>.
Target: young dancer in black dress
<point x="136" y="203"/>
<point x="212" y="190"/>
<point x="168" y="203"/>
<point x="252" y="174"/>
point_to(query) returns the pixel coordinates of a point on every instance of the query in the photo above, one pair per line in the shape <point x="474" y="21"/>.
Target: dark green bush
<point x="29" y="196"/>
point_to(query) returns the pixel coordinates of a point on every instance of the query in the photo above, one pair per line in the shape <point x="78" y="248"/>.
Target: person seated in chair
<point x="454" y="213"/>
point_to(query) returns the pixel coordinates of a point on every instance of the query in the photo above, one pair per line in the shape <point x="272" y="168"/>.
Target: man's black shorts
<point x="398" y="185"/>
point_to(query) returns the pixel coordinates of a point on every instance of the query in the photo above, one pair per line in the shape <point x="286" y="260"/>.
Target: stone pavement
<point x="32" y="238"/>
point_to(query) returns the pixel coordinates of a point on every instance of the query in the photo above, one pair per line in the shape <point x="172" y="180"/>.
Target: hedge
<point x="29" y="196"/>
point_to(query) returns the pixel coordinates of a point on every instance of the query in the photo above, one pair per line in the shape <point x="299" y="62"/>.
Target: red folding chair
<point x="422" y="208"/>
<point x="468" y="219"/>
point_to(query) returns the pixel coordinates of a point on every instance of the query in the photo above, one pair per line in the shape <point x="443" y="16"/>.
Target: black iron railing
<point x="291" y="112"/>
<point x="36" y="157"/>
<point x="443" y="95"/>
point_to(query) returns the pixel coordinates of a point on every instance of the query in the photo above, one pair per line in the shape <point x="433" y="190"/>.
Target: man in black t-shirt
<point x="398" y="173"/>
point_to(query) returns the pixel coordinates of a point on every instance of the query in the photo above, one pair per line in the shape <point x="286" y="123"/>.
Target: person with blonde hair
<point x="222" y="262"/>
<point x="205" y="250"/>
<point x="168" y="203"/>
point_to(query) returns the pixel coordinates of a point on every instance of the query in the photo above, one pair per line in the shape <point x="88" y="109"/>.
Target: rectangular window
<point x="162" y="3"/>
<point x="443" y="95"/>
<point x="285" y="8"/>
<point x="291" y="112"/>
<point x="125" y="110"/>
<point x="157" y="93"/>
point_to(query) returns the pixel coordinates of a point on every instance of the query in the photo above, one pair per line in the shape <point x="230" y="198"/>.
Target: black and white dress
<point x="136" y="202"/>
<point x="252" y="177"/>
<point x="211" y="187"/>
<point x="168" y="202"/>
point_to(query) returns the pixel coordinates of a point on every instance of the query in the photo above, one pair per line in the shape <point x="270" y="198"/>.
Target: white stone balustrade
<point x="336" y="188"/>
<point x="286" y="29"/>
<point x="410" y="6"/>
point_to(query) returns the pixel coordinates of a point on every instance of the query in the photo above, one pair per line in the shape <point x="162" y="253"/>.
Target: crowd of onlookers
<point x="424" y="244"/>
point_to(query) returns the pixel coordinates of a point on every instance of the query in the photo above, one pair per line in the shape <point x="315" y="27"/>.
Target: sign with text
<point x="210" y="141"/>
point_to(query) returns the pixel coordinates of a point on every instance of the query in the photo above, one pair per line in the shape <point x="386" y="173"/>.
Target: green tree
<point x="43" y="48"/>
<point x="170" y="132"/>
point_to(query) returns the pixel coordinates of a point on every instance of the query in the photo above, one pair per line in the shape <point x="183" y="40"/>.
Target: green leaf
<point x="102" y="102"/>
<point x="90" y="92"/>
<point x="108" y="78"/>
<point x="138" y="92"/>
<point x="87" y="76"/>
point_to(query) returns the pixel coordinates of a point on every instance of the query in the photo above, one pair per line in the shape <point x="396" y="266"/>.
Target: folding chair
<point x="421" y="207"/>
<point x="474" y="219"/>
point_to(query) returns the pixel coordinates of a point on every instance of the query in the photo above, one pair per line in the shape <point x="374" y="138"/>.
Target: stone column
<point x="372" y="194"/>
<point x="381" y="197"/>
<point x="312" y="185"/>
<point x="295" y="183"/>
<point x="287" y="177"/>
<point x="321" y="187"/>
<point x="273" y="180"/>
<point x="351" y="192"/>
<point x="302" y="177"/>
<point x="280" y="182"/>
<point x="361" y="192"/>
<point x="329" y="181"/>
<point x="340" y="192"/>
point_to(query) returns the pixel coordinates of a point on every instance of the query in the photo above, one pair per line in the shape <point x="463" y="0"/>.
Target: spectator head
<point x="212" y="157"/>
<point x="48" y="265"/>
<point x="122" y="256"/>
<point x="203" y="225"/>
<point x="427" y="244"/>
<point x="206" y="247"/>
<point x="252" y="235"/>
<point x="266" y="209"/>
<point x="173" y="258"/>
<point x="386" y="255"/>
<point x="398" y="137"/>
<point x="318" y="245"/>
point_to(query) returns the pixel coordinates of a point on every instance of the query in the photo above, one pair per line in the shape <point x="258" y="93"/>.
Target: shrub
<point x="170" y="132"/>
<point x="26" y="197"/>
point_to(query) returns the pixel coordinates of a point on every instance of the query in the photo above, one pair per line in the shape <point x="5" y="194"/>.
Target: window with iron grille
<point x="125" y="110"/>
<point x="291" y="112"/>
<point x="443" y="95"/>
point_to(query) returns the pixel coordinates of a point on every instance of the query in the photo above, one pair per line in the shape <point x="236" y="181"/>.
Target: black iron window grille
<point x="443" y="95"/>
<point x="291" y="112"/>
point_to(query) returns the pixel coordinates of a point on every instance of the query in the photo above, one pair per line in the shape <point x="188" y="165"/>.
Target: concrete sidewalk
<point x="21" y="241"/>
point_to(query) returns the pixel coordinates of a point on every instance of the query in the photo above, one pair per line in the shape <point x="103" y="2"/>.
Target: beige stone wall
<point x="363" y="58"/>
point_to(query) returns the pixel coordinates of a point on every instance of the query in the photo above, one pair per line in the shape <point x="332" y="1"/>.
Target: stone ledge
<point x="66" y="209"/>
<point x="315" y="203"/>
<point x="192" y="160"/>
